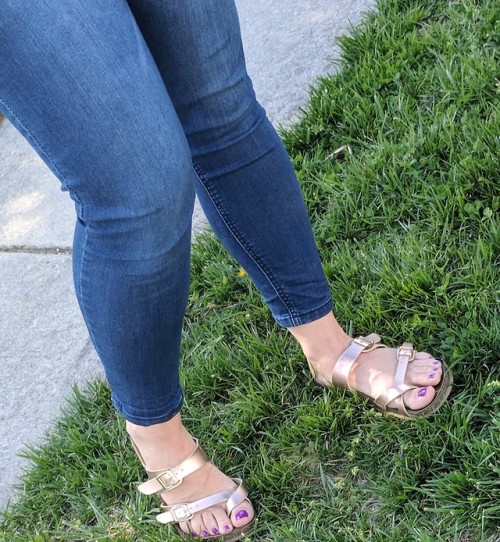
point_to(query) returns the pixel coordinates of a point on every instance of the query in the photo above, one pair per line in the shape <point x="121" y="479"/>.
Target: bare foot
<point x="323" y="341"/>
<point x="373" y="373"/>
<point x="166" y="445"/>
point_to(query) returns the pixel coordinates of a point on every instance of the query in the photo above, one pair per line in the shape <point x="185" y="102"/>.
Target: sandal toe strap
<point x="392" y="398"/>
<point x="239" y="495"/>
<point x="185" y="511"/>
<point x="405" y="354"/>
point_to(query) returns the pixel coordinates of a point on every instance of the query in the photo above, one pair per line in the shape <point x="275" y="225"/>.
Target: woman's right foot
<point x="168" y="444"/>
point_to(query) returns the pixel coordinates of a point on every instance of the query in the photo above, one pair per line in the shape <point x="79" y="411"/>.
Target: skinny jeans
<point x="134" y="105"/>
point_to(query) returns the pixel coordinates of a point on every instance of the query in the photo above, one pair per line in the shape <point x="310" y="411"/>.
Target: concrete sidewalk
<point x="44" y="347"/>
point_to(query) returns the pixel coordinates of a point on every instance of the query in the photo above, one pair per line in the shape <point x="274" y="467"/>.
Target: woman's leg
<point x="247" y="185"/>
<point x="78" y="81"/>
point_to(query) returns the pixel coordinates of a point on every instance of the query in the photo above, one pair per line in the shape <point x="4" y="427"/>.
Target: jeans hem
<point x="149" y="419"/>
<point x="305" y="318"/>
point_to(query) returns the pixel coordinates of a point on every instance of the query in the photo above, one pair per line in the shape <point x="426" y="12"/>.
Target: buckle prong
<point x="172" y="482"/>
<point x="363" y="342"/>
<point x="406" y="351"/>
<point x="367" y="344"/>
<point x="181" y="513"/>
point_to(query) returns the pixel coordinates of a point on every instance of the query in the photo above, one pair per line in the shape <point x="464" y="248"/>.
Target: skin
<point x="167" y="444"/>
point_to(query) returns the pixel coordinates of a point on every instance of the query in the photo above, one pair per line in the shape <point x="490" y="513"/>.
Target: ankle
<point x="322" y="341"/>
<point x="161" y="445"/>
<point x="329" y="353"/>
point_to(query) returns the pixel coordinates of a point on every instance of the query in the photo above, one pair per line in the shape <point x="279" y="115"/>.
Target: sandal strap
<point x="405" y="354"/>
<point x="343" y="366"/>
<point x="167" y="479"/>
<point x="185" y="511"/>
<point x="239" y="495"/>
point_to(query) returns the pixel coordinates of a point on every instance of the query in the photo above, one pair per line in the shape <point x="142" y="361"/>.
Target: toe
<point x="242" y="514"/>
<point x="196" y="526"/>
<point x="184" y="527"/>
<point x="419" y="398"/>
<point x="424" y="371"/>
<point x="224" y="524"/>
<point x="211" y="526"/>
<point x="426" y="378"/>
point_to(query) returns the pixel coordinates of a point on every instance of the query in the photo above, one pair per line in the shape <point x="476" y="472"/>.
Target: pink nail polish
<point x="422" y="392"/>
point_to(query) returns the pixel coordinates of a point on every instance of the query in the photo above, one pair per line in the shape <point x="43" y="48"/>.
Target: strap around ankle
<point x="343" y="366"/>
<point x="167" y="479"/>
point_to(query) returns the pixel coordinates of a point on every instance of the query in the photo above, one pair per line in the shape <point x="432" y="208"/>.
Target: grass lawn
<point x="408" y="227"/>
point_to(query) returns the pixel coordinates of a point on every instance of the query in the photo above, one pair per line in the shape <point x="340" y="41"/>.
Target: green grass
<point x="407" y="224"/>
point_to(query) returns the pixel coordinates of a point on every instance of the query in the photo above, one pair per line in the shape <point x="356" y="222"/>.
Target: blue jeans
<point x="134" y="105"/>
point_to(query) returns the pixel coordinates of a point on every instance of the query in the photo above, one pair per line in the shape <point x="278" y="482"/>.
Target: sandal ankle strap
<point x="343" y="366"/>
<point x="167" y="479"/>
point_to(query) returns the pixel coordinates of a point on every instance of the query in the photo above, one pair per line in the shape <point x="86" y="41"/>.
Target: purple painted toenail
<point x="227" y="528"/>
<point x="422" y="392"/>
<point x="205" y="533"/>
<point x="436" y="362"/>
<point x="433" y="375"/>
<point x="194" y="534"/>
<point x="215" y="531"/>
<point x="242" y="514"/>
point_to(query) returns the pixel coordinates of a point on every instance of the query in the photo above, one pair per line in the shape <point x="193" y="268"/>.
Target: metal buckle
<point x="406" y="351"/>
<point x="364" y="342"/>
<point x="172" y="480"/>
<point x="181" y="512"/>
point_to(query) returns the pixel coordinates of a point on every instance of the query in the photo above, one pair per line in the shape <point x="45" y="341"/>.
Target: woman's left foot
<point x="373" y="373"/>
<point x="399" y="381"/>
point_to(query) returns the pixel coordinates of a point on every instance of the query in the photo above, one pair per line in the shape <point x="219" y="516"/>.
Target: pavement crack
<point x="22" y="249"/>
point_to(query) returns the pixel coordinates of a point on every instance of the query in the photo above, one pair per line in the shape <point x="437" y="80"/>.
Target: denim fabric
<point x="134" y="106"/>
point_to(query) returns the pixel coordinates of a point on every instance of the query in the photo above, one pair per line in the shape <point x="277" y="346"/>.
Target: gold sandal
<point x="391" y="400"/>
<point x="167" y="479"/>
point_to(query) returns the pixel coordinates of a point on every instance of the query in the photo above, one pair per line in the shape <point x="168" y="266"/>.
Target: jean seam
<point x="80" y="290"/>
<point x="240" y="240"/>
<point x="47" y="156"/>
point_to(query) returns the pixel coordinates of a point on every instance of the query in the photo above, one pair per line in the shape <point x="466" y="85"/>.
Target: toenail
<point x="215" y="531"/>
<point x="194" y="534"/>
<point x="422" y="392"/>
<point x="436" y="362"/>
<point x="432" y="375"/>
<point x="227" y="528"/>
<point x="205" y="533"/>
<point x="242" y="514"/>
